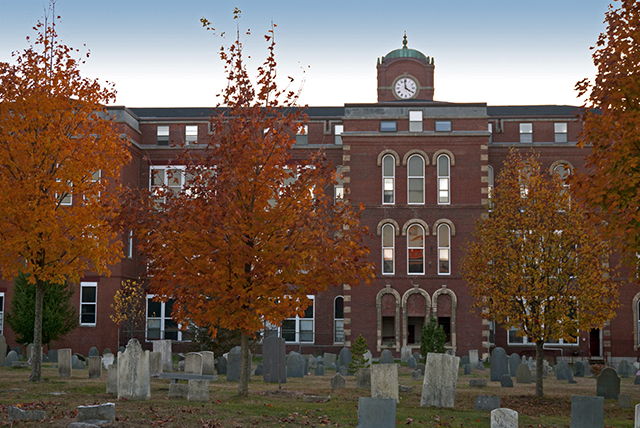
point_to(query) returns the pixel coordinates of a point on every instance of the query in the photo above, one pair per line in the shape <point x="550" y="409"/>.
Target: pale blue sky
<point x="495" y="51"/>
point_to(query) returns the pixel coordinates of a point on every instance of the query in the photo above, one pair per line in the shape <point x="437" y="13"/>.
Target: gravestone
<point x="178" y="390"/>
<point x="623" y="369"/>
<point x="338" y="381"/>
<point x="587" y="370"/>
<point x="450" y="352"/>
<point x="164" y="347"/>
<point x="363" y="378"/>
<point x="386" y="357"/>
<point x="259" y="371"/>
<point x="319" y="371"/>
<point x="313" y="362"/>
<point x="17" y="414"/>
<point x="416" y="355"/>
<point x="498" y="364"/>
<point x="305" y="365"/>
<point x="193" y="363"/>
<point x="480" y="365"/>
<point x="467" y="369"/>
<point x="208" y="362"/>
<point x="133" y="372"/>
<point x="107" y="360"/>
<point x="329" y="359"/>
<point x="155" y="363"/>
<point x="234" y="360"/>
<point x="514" y="362"/>
<point x="587" y="412"/>
<point x="530" y="363"/>
<point x="411" y="362"/>
<point x="637" y="417"/>
<point x="376" y="412"/>
<point x="64" y="362"/>
<point x="274" y="359"/>
<point x="473" y="357"/>
<point x="95" y="367"/>
<point x="106" y="351"/>
<point x="624" y="401"/>
<point x="416" y="374"/>
<point x="45" y="359"/>
<point x="478" y="383"/>
<point x="99" y="412"/>
<point x="636" y="381"/>
<point x="78" y="364"/>
<point x="93" y="352"/>
<point x="563" y="371"/>
<point x="506" y="381"/>
<point x="368" y="358"/>
<point x="18" y="350"/>
<point x="405" y="353"/>
<point x="11" y="357"/>
<point x="487" y="403"/>
<point x="464" y="360"/>
<point x="344" y="359"/>
<point x="608" y="384"/>
<point x="523" y="374"/>
<point x="53" y="355"/>
<point x="3" y="350"/>
<point x="112" y="380"/>
<point x="420" y="367"/>
<point x="30" y="351"/>
<point x="343" y="371"/>
<point x="578" y="369"/>
<point x="440" y="377"/>
<point x="198" y="390"/>
<point x="295" y="365"/>
<point x="332" y="366"/>
<point x="504" y="418"/>
<point x="384" y="381"/>
<point x="319" y="359"/>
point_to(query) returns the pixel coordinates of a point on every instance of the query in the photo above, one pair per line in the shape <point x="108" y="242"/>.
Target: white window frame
<point x="444" y="249"/>
<point x="338" y="323"/>
<point x="525" y="341"/>
<point x="162" y="318"/>
<point x="415" y="120"/>
<point x="130" y="245"/>
<point x="338" y="187"/>
<point x="390" y="178"/>
<point x="526" y="132"/>
<point x="490" y="129"/>
<point x="391" y="249"/>
<point x="421" y="178"/>
<point x="166" y="179"/>
<point x="86" y="285"/>
<point x="298" y="329"/>
<point x="302" y="135"/>
<point x="337" y="134"/>
<point x="191" y="134"/>
<point x="560" y="134"/>
<point x="410" y="247"/>
<point x="162" y="131"/>
<point x="444" y="181"/>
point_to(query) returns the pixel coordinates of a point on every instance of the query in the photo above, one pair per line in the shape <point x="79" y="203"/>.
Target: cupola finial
<point x="404" y="40"/>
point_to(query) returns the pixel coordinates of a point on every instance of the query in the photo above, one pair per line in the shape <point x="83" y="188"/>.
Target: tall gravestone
<point x="587" y="412"/>
<point x="193" y="363"/>
<point x="295" y="365"/>
<point x="523" y="374"/>
<point x="563" y="371"/>
<point x="363" y="378"/>
<point x="608" y="384"/>
<point x="405" y="353"/>
<point x="112" y="379"/>
<point x="498" y="364"/>
<point x="155" y="363"/>
<point x="3" y="350"/>
<point x="221" y="365"/>
<point x="93" y="352"/>
<point x="514" y="362"/>
<point x="53" y="355"/>
<point x="134" y="382"/>
<point x="504" y="418"/>
<point x="386" y="357"/>
<point x="344" y="359"/>
<point x="95" y="367"/>
<point x="440" y="377"/>
<point x="578" y="369"/>
<point x="64" y="362"/>
<point x="234" y="363"/>
<point x="274" y="359"/>
<point x="623" y="369"/>
<point x="107" y="360"/>
<point x="208" y="362"/>
<point x="164" y="347"/>
<point x="384" y="381"/>
<point x="376" y="412"/>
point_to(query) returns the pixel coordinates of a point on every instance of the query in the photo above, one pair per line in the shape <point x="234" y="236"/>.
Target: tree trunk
<point x="243" y="386"/>
<point x="36" y="359"/>
<point x="539" y="366"/>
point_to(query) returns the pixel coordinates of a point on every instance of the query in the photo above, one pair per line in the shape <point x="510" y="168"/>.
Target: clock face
<point x="406" y="88"/>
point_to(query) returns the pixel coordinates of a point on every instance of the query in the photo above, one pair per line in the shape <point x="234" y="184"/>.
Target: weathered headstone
<point x="486" y="402"/>
<point x="343" y="371"/>
<point x="506" y="381"/>
<point x="498" y="364"/>
<point x="514" y="362"/>
<point x="133" y="372"/>
<point x="313" y="362"/>
<point x="504" y="418"/>
<point x="623" y="369"/>
<point x="386" y="357"/>
<point x="411" y="362"/>
<point x="467" y="369"/>
<point x="112" y="380"/>
<point x="259" y="371"/>
<point x="478" y="383"/>
<point x="78" y="364"/>
<point x="523" y="374"/>
<point x="578" y="369"/>
<point x="624" y="401"/>
<point x="221" y="365"/>
<point x="178" y="390"/>
<point x="17" y="414"/>
<point x="376" y="412"/>
<point x="473" y="357"/>
<point x="530" y="363"/>
<point x="636" y="381"/>
<point x="234" y="362"/>
<point x="30" y="351"/>
<point x="208" y="362"/>
<point x="99" y="412"/>
<point x="193" y="363"/>
<point x="405" y="353"/>
<point x="480" y="365"/>
<point x="329" y="359"/>
<point x="95" y="367"/>
<point x="319" y="371"/>
<point x="587" y="412"/>
<point x="53" y="355"/>
<point x="416" y="374"/>
<point x="368" y="357"/>
<point x="464" y="360"/>
<point x="64" y="362"/>
<point x="107" y="360"/>
<point x="18" y="350"/>
<point x="363" y="378"/>
<point x="608" y="384"/>
<point x="198" y="390"/>
<point x="11" y="357"/>
<point x="164" y="347"/>
<point x="384" y="381"/>
<point x="295" y="365"/>
<point x="93" y="352"/>
<point x="441" y="375"/>
<point x="274" y="359"/>
<point x="416" y="355"/>
<point x="3" y="349"/>
<point x="344" y="359"/>
<point x="106" y="351"/>
<point x="563" y="372"/>
<point x="338" y="381"/>
<point x="155" y="363"/>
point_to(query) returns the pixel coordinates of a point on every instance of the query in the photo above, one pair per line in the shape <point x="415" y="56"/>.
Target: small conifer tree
<point x="432" y="338"/>
<point x="358" y="350"/>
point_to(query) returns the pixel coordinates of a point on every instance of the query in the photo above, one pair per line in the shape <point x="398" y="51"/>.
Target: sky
<point x="502" y="52"/>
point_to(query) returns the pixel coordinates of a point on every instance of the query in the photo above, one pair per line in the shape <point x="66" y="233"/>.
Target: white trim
<point x="393" y="249"/>
<point x="83" y="285"/>
<point x="409" y="248"/>
<point x="297" y="327"/>
<point x="444" y="177"/>
<point x="336" y="320"/>
<point x="448" y="249"/>
<point x="391" y="177"/>
<point x="416" y="177"/>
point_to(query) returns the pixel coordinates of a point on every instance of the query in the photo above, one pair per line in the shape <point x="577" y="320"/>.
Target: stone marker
<point x="319" y="371"/>
<point x="329" y="359"/>
<point x="11" y="357"/>
<point x="155" y="363"/>
<point x="112" y="379"/>
<point x="440" y="377"/>
<point x="178" y="390"/>
<point x="386" y="357"/>
<point x="17" y="414"/>
<point x="416" y="374"/>
<point x="637" y="417"/>
<point x="467" y="369"/>
<point x="234" y="360"/>
<point x="376" y="412"/>
<point x="53" y="355"/>
<point x="368" y="358"/>
<point x="198" y="390"/>
<point x="193" y="363"/>
<point x="133" y="372"/>
<point x="305" y="365"/>
<point x="420" y="367"/>
<point x="636" y="381"/>
<point x="523" y="374"/>
<point x="578" y="369"/>
<point x="313" y="362"/>
<point x="107" y="360"/>
<point x="30" y="351"/>
<point x="608" y="384"/>
<point x="623" y="369"/>
<point x="514" y="362"/>
<point x="563" y="371"/>
<point x="221" y="365"/>
<point x="464" y="360"/>
<point x="404" y="388"/>
<point x="338" y="381"/>
<point x="344" y="359"/>
<point x="164" y="347"/>
<point x="95" y="367"/>
<point x="106" y="351"/>
<point x="486" y="402"/>
<point x="343" y="371"/>
<point x="479" y="383"/>
<point x="411" y="362"/>
<point x="259" y="371"/>
<point x="405" y="353"/>
<point x="99" y="412"/>
<point x="295" y="365"/>
<point x="624" y="401"/>
<point x="473" y="357"/>
<point x="64" y="362"/>
<point x="480" y="365"/>
<point x="93" y="352"/>
<point x="316" y="398"/>
<point x="363" y="378"/>
<point x="498" y="364"/>
<point x="384" y="381"/>
<point x="506" y="381"/>
<point x="78" y="364"/>
<point x="587" y="412"/>
<point x="3" y="349"/>
<point x="504" y="418"/>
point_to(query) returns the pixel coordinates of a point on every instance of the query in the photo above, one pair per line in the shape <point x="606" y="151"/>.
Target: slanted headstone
<point x="473" y="357"/>
<point x="405" y="353"/>
<point x="17" y="414"/>
<point x="53" y="355"/>
<point x="608" y="384"/>
<point x="198" y="390"/>
<point x="274" y="359"/>
<point x="99" y="412"/>
<point x="486" y="402"/>
<point x="178" y="390"/>
<point x="504" y="418"/>
<point x="133" y="372"/>
<point x="344" y="359"/>
<point x="376" y="412"/>
<point x="623" y="369"/>
<point x="12" y="356"/>
<point x="259" y="371"/>
<point x="416" y="374"/>
<point x="624" y="401"/>
<point x="164" y="347"/>
<point x="411" y="362"/>
<point x="193" y="363"/>
<point x="480" y="365"/>
<point x="78" y="364"/>
<point x="587" y="412"/>
<point x="319" y="371"/>
<point x="498" y="364"/>
<point x="386" y="357"/>
<point x="578" y="369"/>
<point x="64" y="362"/>
<point x="112" y="379"/>
<point x="363" y="378"/>
<point x="295" y="365"/>
<point x="329" y="359"/>
<point x="506" y="381"/>
<point x="93" y="352"/>
<point x="155" y="363"/>
<point x="467" y="369"/>
<point x="208" y="362"/>
<point x="95" y="367"/>
<point x="384" y="381"/>
<point x="523" y="374"/>
<point x="234" y="361"/>
<point x="514" y="362"/>
<point x="441" y="375"/>
<point x="3" y="350"/>
<point x="563" y="371"/>
<point x="338" y="381"/>
<point x="464" y="360"/>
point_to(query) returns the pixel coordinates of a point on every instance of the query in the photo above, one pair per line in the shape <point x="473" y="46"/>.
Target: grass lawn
<point x="268" y="407"/>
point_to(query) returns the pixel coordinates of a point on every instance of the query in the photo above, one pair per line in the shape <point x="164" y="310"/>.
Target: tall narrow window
<point x="300" y="330"/>
<point x="338" y="130"/>
<point x="88" y="302"/>
<point x="162" y="135"/>
<point x="490" y="132"/>
<point x="1" y="312"/>
<point x="490" y="182"/>
<point x="415" y="180"/>
<point x="388" y="250"/>
<point x="415" y="250"/>
<point x="415" y="121"/>
<point x="560" y="132"/>
<point x="338" y="320"/>
<point x="191" y="134"/>
<point x="526" y="133"/>
<point x="444" y="249"/>
<point x="160" y="325"/>
<point x="130" y="245"/>
<point x="338" y="187"/>
<point x="388" y="179"/>
<point x="443" y="179"/>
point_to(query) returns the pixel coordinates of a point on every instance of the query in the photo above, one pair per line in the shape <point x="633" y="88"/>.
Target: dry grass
<point x="268" y="407"/>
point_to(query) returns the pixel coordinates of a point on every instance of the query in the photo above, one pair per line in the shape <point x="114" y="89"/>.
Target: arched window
<point x="444" y="249"/>
<point x="443" y="179"/>
<point x="388" y="179"/>
<point x="415" y="180"/>
<point x="388" y="249"/>
<point x="338" y="320"/>
<point x="415" y="250"/>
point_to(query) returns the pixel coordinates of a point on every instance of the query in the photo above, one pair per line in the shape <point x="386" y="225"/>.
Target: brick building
<point x="423" y="170"/>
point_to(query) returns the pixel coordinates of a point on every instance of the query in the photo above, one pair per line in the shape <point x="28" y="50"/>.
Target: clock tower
<point x="405" y="74"/>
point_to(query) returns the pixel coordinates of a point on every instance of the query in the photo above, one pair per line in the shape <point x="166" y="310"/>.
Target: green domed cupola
<point x="405" y="52"/>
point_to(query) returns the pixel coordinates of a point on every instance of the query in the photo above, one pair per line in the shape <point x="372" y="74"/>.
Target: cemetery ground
<point x="268" y="407"/>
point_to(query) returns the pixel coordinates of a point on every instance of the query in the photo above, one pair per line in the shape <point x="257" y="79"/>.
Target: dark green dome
<point x="405" y="52"/>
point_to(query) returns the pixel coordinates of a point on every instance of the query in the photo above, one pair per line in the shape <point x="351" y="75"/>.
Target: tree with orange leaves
<point x="611" y="118"/>
<point x="252" y="233"/>
<point x="59" y="159"/>
<point x="536" y="265"/>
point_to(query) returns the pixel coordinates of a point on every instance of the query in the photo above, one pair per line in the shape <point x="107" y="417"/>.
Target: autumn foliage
<point x="129" y="306"/>
<point x="536" y="265"/>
